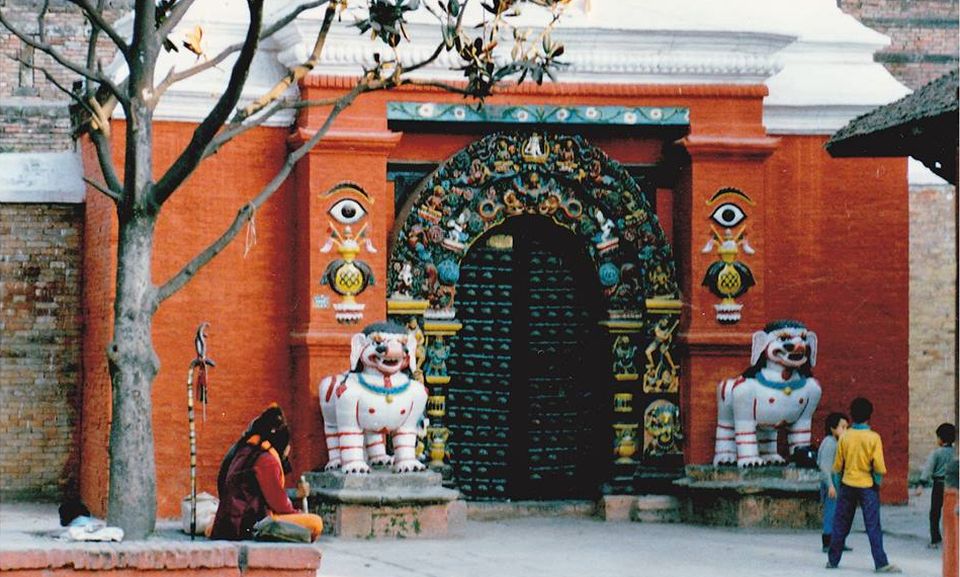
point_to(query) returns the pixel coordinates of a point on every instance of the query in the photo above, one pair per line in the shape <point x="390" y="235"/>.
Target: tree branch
<point x="99" y="117"/>
<point x="296" y="73"/>
<point x="193" y="152"/>
<point x="98" y="23"/>
<point x="101" y="142"/>
<point x="106" y="191"/>
<point x="436" y="84"/>
<point x="93" y="39"/>
<point x="100" y="138"/>
<point x="173" y="18"/>
<point x="174" y="77"/>
<point x="60" y="59"/>
<point x="234" y="130"/>
<point x="181" y="278"/>
<point x="282" y="22"/>
<point x="426" y="61"/>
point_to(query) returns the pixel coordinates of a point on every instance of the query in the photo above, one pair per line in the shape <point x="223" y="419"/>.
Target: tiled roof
<point x="922" y="125"/>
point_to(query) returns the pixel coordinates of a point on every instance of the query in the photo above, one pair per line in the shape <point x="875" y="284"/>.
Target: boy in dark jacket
<point x="935" y="471"/>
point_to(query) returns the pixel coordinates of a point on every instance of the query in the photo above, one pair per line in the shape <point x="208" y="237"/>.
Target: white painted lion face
<point x="387" y="352"/>
<point x="789" y="347"/>
<point x="788" y="343"/>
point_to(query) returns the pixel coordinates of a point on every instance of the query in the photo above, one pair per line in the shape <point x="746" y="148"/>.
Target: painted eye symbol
<point x="347" y="211"/>
<point x="728" y="215"/>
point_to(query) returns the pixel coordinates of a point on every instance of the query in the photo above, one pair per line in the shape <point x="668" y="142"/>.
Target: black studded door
<point x="520" y="406"/>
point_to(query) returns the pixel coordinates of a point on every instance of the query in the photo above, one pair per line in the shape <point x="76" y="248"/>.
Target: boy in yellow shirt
<point x="858" y="470"/>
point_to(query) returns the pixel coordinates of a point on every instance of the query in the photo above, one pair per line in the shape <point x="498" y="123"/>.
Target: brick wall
<point x="924" y="43"/>
<point x="933" y="314"/>
<point x="34" y="125"/>
<point x="41" y="263"/>
<point x="65" y="30"/>
<point x="40" y="273"/>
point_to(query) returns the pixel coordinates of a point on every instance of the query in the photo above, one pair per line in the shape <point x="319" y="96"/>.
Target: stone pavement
<point x="587" y="547"/>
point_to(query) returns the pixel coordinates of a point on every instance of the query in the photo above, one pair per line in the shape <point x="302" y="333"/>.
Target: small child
<point x="858" y="470"/>
<point x="835" y="425"/>
<point x="935" y="470"/>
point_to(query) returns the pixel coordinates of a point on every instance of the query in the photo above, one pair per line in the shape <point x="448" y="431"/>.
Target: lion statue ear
<point x="812" y="347"/>
<point x="760" y="341"/>
<point x="412" y="351"/>
<point x="357" y="344"/>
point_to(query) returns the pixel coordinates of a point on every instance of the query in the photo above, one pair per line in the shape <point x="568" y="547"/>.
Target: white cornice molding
<point x="41" y="177"/>
<point x="224" y="22"/>
<point x="653" y="56"/>
<point x="816" y="61"/>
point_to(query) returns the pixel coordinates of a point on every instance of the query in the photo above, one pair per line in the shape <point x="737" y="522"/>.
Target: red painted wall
<point x="244" y="298"/>
<point x="841" y="263"/>
<point x="831" y="250"/>
<point x="99" y="274"/>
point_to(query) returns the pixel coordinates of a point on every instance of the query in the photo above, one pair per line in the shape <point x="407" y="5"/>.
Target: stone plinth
<point x="167" y="552"/>
<point x="384" y="504"/>
<point x="758" y="497"/>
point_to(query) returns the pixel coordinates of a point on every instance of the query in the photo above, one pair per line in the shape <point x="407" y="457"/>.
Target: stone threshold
<point x="496" y="510"/>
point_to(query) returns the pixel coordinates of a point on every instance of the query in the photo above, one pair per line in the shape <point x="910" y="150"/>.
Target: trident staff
<point x="199" y="366"/>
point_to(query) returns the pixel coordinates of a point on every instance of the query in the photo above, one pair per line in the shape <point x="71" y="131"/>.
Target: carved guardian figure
<point x="376" y="398"/>
<point x="776" y="392"/>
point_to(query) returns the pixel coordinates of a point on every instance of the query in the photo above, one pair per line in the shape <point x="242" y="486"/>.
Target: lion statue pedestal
<point x="762" y="497"/>
<point x="383" y="504"/>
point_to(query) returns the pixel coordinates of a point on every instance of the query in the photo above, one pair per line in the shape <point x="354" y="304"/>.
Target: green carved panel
<point x="534" y="114"/>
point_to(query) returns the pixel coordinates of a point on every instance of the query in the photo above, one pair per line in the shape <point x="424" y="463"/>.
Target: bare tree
<point x="139" y="197"/>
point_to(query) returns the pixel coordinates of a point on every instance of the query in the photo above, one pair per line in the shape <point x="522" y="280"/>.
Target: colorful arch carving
<point x="557" y="176"/>
<point x="561" y="177"/>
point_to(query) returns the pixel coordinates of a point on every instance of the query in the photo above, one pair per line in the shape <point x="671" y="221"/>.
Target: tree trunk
<point x="133" y="366"/>
<point x="133" y="361"/>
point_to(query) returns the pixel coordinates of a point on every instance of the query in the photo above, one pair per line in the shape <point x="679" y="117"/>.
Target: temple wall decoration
<point x="567" y="181"/>
<point x="347" y="276"/>
<point x="728" y="277"/>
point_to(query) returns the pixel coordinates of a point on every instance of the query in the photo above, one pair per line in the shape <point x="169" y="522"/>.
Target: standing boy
<point x="859" y="468"/>
<point x="935" y="470"/>
<point x="835" y="426"/>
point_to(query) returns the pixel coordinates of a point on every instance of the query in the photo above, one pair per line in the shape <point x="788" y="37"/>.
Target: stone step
<point x="640" y="508"/>
<point x="656" y="509"/>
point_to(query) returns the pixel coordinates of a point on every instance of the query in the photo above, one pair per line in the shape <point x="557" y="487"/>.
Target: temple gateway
<point x="582" y="261"/>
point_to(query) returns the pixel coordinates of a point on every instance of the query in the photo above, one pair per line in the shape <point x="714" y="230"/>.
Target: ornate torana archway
<point x="566" y="179"/>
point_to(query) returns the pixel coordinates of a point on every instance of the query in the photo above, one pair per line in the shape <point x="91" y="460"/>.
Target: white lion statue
<point x="376" y="398"/>
<point x="777" y="391"/>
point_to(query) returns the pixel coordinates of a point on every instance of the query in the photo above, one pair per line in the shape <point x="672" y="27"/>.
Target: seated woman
<point x="251" y="481"/>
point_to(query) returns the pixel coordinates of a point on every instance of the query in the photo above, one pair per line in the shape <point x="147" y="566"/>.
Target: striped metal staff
<point x="198" y="365"/>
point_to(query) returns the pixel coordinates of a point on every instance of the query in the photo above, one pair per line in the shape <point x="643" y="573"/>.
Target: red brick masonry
<point x="160" y="556"/>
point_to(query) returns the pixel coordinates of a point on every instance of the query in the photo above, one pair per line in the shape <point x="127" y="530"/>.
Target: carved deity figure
<point x="624" y="358"/>
<point x="661" y="428"/>
<point x="777" y="391"/>
<point x="660" y="371"/>
<point x="375" y="398"/>
<point x="437" y="355"/>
